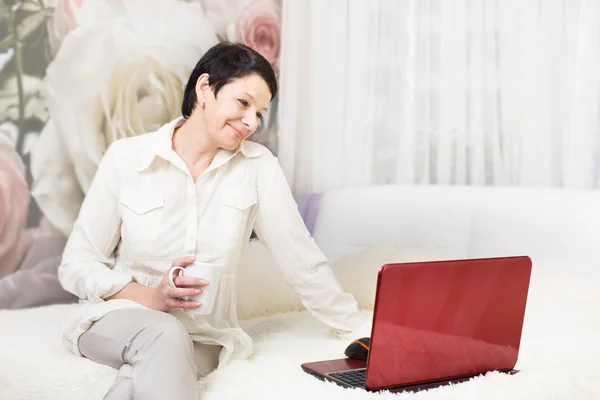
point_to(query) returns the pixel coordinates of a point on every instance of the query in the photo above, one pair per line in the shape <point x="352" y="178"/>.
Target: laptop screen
<point x="447" y="319"/>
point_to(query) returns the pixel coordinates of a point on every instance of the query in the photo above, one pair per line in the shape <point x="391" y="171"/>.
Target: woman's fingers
<point x="175" y="303"/>
<point x="186" y="281"/>
<point x="182" y="292"/>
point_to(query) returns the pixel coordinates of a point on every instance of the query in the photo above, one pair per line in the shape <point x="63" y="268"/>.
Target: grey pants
<point x="153" y="352"/>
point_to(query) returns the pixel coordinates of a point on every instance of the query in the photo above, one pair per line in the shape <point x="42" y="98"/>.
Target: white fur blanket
<point x="559" y="357"/>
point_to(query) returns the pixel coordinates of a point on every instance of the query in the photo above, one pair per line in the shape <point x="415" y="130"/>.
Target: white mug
<point x="208" y="272"/>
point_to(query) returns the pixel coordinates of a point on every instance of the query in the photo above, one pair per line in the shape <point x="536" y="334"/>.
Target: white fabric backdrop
<point x="478" y="92"/>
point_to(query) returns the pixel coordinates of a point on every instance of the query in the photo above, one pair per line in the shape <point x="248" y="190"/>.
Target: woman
<point x="193" y="190"/>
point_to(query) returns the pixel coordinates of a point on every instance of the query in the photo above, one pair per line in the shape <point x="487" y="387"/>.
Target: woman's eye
<point x="243" y="102"/>
<point x="259" y="115"/>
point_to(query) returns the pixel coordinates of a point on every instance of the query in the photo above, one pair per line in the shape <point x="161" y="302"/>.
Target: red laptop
<point x="437" y="323"/>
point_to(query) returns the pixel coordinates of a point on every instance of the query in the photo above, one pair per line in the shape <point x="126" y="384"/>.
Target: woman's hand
<point x="165" y="297"/>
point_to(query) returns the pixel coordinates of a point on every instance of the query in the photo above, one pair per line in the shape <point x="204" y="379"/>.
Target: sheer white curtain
<point x="477" y="92"/>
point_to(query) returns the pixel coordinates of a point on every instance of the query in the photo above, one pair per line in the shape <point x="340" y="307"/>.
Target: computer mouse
<point x="359" y="349"/>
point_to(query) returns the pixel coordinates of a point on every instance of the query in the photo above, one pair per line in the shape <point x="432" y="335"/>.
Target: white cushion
<point x="549" y="225"/>
<point x="419" y="218"/>
<point x="262" y="289"/>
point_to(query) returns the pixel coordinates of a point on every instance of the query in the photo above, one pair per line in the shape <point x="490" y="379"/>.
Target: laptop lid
<point x="446" y="319"/>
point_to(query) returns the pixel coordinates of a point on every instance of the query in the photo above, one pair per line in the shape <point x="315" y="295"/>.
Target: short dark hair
<point x="224" y="62"/>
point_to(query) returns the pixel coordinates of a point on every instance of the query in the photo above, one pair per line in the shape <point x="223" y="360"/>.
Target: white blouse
<point x="143" y="210"/>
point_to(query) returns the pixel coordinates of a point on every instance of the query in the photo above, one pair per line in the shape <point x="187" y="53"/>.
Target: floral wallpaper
<point x="75" y="75"/>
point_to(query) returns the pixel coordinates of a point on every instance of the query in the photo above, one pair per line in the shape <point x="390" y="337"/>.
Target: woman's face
<point x="233" y="115"/>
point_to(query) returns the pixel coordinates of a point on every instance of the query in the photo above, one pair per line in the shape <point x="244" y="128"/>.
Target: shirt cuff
<point x="106" y="282"/>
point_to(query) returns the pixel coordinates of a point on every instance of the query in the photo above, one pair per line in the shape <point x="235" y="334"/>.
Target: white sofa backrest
<point x="555" y="225"/>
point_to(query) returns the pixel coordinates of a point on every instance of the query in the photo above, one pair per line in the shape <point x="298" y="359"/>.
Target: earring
<point x="202" y="103"/>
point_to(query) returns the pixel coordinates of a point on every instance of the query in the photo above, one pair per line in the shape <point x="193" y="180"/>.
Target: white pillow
<point x="357" y="272"/>
<point x="262" y="289"/>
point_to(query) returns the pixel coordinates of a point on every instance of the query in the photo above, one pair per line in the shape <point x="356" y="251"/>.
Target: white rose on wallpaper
<point x="120" y="73"/>
<point x="14" y="203"/>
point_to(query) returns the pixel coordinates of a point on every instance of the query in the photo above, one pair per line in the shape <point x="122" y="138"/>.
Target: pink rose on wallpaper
<point x="64" y="20"/>
<point x="259" y="27"/>
<point x="68" y="9"/>
<point x="14" y="203"/>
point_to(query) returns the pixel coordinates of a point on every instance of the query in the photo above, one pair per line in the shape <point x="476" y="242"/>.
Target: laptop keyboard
<point x="355" y="377"/>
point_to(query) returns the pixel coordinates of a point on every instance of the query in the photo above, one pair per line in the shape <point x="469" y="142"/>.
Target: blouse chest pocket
<point x="141" y="215"/>
<point x="237" y="205"/>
